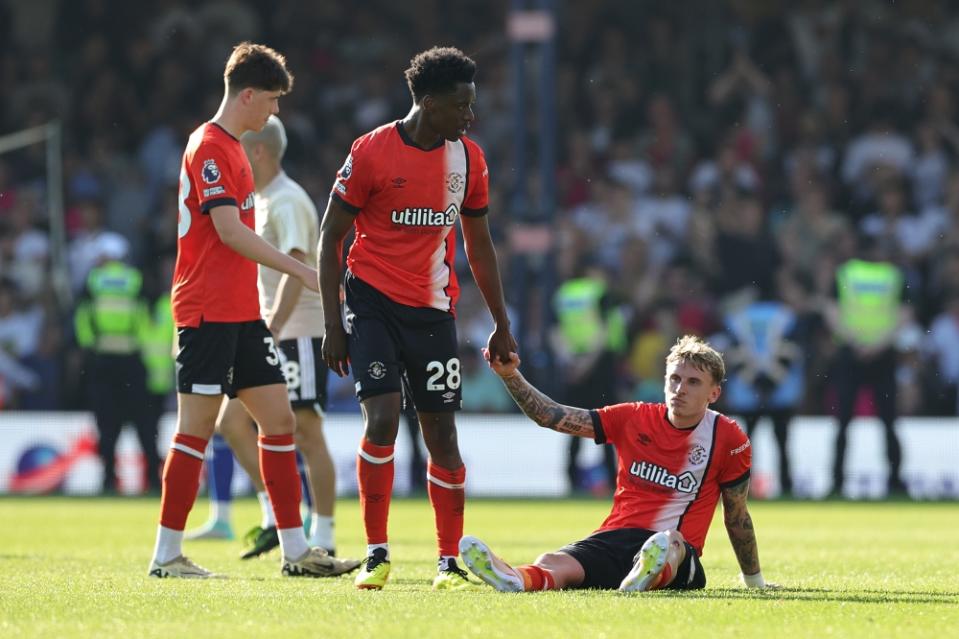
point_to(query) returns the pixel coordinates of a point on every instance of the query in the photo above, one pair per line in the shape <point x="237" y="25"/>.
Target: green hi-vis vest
<point x="112" y="316"/>
<point x="581" y="320"/>
<point x="158" y="347"/>
<point x="869" y="299"/>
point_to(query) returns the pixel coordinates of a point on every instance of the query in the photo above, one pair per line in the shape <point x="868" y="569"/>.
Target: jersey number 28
<point x="437" y="371"/>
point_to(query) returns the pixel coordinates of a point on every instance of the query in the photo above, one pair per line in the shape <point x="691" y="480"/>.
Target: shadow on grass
<point x="812" y="595"/>
<point x="818" y="595"/>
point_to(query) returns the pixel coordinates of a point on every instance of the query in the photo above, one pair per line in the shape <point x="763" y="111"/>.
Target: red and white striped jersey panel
<point x="693" y="473"/>
<point x="670" y="478"/>
<point x="407" y="200"/>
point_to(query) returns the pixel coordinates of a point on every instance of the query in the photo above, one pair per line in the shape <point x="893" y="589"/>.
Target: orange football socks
<point x="278" y="469"/>
<point x="447" y="491"/>
<point x="536" y="578"/>
<point x="374" y="473"/>
<point x="181" y="480"/>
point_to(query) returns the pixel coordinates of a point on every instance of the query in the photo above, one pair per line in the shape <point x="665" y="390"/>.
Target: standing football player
<point x="287" y="219"/>
<point x="676" y="460"/>
<point x="403" y="186"/>
<point x="224" y="347"/>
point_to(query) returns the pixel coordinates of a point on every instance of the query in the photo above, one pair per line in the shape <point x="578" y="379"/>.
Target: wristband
<point x="754" y="581"/>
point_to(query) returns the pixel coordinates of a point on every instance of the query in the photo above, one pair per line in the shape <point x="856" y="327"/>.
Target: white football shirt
<point x="287" y="219"/>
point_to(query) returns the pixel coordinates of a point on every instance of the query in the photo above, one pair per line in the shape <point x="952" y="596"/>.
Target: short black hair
<point x="257" y="66"/>
<point x="438" y="70"/>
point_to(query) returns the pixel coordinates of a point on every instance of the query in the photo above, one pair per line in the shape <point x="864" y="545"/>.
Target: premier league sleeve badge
<point x="210" y="172"/>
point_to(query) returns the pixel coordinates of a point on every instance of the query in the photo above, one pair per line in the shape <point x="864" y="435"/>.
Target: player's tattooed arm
<point x="546" y="412"/>
<point x="739" y="527"/>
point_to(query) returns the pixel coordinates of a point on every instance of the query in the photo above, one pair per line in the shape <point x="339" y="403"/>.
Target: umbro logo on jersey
<point x="398" y="183"/>
<point x="425" y="216"/>
<point x="644" y="439"/>
<point x="684" y="483"/>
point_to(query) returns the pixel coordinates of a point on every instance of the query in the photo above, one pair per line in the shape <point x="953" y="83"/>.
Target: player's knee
<point x="233" y="428"/>
<point x="444" y="451"/>
<point x="197" y="428"/>
<point x="439" y="432"/>
<point x="677" y="546"/>
<point x="675" y="536"/>
<point x="307" y="439"/>
<point x="302" y="441"/>
<point x="381" y="429"/>
<point x="445" y="444"/>
<point x="287" y="422"/>
<point x="283" y="423"/>
<point x="549" y="560"/>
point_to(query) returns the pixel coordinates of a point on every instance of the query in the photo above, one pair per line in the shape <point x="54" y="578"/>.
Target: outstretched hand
<point x="502" y="369"/>
<point x="500" y="344"/>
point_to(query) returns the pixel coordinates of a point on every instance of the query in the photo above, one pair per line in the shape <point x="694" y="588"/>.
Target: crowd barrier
<point x="506" y="456"/>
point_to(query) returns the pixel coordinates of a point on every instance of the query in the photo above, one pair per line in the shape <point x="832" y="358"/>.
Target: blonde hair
<point x="696" y="351"/>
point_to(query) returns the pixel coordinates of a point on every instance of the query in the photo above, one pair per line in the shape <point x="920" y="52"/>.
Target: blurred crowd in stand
<point x="710" y="162"/>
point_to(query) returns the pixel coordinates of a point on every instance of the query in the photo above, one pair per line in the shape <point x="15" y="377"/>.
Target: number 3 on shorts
<point x="272" y="357"/>
<point x="437" y="370"/>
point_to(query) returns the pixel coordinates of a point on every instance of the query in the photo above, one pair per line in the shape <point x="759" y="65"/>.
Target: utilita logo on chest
<point x="425" y="216"/>
<point x="684" y="483"/>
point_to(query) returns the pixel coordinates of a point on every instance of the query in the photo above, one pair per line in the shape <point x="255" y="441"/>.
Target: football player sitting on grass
<point x="675" y="462"/>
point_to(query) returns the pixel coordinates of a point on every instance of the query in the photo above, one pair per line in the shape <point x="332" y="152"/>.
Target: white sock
<point x="221" y="511"/>
<point x="269" y="519"/>
<point x="293" y="542"/>
<point x="371" y="547"/>
<point x="444" y="562"/>
<point x="321" y="531"/>
<point x="169" y="545"/>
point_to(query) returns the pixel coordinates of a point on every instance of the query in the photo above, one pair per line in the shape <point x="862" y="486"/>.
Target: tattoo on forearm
<point x="739" y="526"/>
<point x="546" y="412"/>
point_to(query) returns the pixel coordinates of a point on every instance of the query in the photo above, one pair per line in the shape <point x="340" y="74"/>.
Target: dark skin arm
<point x="482" y="260"/>
<point x="739" y="527"/>
<point x="336" y="223"/>
<point x="537" y="406"/>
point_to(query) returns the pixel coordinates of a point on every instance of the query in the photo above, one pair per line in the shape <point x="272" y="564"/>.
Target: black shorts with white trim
<point x="305" y="372"/>
<point x="220" y="358"/>
<point x="607" y="557"/>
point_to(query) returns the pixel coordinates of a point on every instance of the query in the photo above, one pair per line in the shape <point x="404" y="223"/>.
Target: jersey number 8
<point x="437" y="370"/>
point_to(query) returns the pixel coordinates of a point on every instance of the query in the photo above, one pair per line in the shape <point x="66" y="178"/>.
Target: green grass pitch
<point x="77" y="568"/>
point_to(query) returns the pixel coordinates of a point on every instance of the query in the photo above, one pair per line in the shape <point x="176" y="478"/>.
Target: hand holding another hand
<point x="504" y="370"/>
